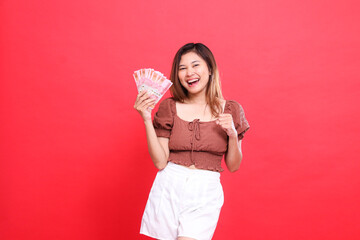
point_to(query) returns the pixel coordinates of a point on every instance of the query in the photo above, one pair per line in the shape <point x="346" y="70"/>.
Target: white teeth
<point x="193" y="80"/>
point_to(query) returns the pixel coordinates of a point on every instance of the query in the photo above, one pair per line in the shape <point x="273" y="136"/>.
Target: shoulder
<point x="237" y="112"/>
<point x="167" y="106"/>
<point x="167" y="101"/>
<point x="233" y="107"/>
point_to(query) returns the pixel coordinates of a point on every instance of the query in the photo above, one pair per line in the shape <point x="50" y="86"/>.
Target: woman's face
<point x="193" y="73"/>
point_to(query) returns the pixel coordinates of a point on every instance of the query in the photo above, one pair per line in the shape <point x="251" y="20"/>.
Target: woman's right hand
<point x="143" y="103"/>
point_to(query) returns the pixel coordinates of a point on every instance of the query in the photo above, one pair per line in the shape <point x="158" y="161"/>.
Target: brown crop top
<point x="200" y="143"/>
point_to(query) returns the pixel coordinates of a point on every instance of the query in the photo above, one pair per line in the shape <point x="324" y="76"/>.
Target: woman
<point x="190" y="134"/>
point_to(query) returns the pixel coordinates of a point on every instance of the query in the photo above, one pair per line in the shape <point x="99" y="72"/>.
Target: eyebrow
<point x="191" y="63"/>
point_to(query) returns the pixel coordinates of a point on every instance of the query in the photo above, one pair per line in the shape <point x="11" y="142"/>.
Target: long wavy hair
<point x="213" y="90"/>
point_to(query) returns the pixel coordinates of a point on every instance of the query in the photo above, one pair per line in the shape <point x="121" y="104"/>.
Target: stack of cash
<point x="153" y="81"/>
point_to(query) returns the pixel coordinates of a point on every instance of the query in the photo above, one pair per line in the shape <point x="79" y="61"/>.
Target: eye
<point x="182" y="68"/>
<point x="195" y="65"/>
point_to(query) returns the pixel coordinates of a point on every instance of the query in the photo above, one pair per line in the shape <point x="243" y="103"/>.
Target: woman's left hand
<point x="225" y="120"/>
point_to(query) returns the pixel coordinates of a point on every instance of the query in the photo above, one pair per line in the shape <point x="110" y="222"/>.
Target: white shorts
<point x="183" y="202"/>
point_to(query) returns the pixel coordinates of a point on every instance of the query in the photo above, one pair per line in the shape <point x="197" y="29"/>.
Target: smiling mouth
<point x="193" y="81"/>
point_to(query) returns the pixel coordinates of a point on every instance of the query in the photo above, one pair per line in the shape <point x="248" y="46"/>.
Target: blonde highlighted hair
<point x="213" y="90"/>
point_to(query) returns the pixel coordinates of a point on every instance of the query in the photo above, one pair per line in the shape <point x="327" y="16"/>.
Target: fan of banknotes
<point x="153" y="81"/>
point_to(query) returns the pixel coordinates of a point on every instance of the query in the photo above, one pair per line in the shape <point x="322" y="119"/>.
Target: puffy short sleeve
<point x="240" y="122"/>
<point x="164" y="118"/>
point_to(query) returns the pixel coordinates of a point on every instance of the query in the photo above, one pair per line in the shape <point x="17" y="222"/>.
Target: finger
<point x="147" y="107"/>
<point x="140" y="94"/>
<point x="138" y="97"/>
<point x="147" y="102"/>
<point x="225" y="124"/>
<point x="153" y="96"/>
<point x="149" y="99"/>
<point x="225" y="120"/>
<point x="224" y="116"/>
<point x="142" y="98"/>
<point x="143" y="92"/>
<point x="222" y="121"/>
<point x="144" y="106"/>
<point x="144" y="95"/>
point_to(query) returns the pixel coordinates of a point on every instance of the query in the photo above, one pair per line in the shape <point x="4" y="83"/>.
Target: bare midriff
<point x="191" y="167"/>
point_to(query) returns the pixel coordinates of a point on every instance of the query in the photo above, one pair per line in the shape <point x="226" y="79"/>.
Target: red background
<point x="73" y="156"/>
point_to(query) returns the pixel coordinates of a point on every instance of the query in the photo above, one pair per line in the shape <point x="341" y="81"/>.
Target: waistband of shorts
<point x="183" y="171"/>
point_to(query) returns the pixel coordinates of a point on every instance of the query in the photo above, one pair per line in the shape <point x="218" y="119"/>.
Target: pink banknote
<point x="153" y="81"/>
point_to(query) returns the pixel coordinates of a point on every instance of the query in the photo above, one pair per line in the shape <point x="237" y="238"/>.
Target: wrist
<point x="148" y="121"/>
<point x="233" y="136"/>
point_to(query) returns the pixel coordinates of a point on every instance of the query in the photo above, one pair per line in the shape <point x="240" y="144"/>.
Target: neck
<point x="197" y="99"/>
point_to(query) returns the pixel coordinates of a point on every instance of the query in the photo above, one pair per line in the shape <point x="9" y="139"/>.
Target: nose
<point x="189" y="72"/>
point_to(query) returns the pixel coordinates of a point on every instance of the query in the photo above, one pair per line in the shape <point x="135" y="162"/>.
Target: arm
<point x="158" y="147"/>
<point x="233" y="155"/>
